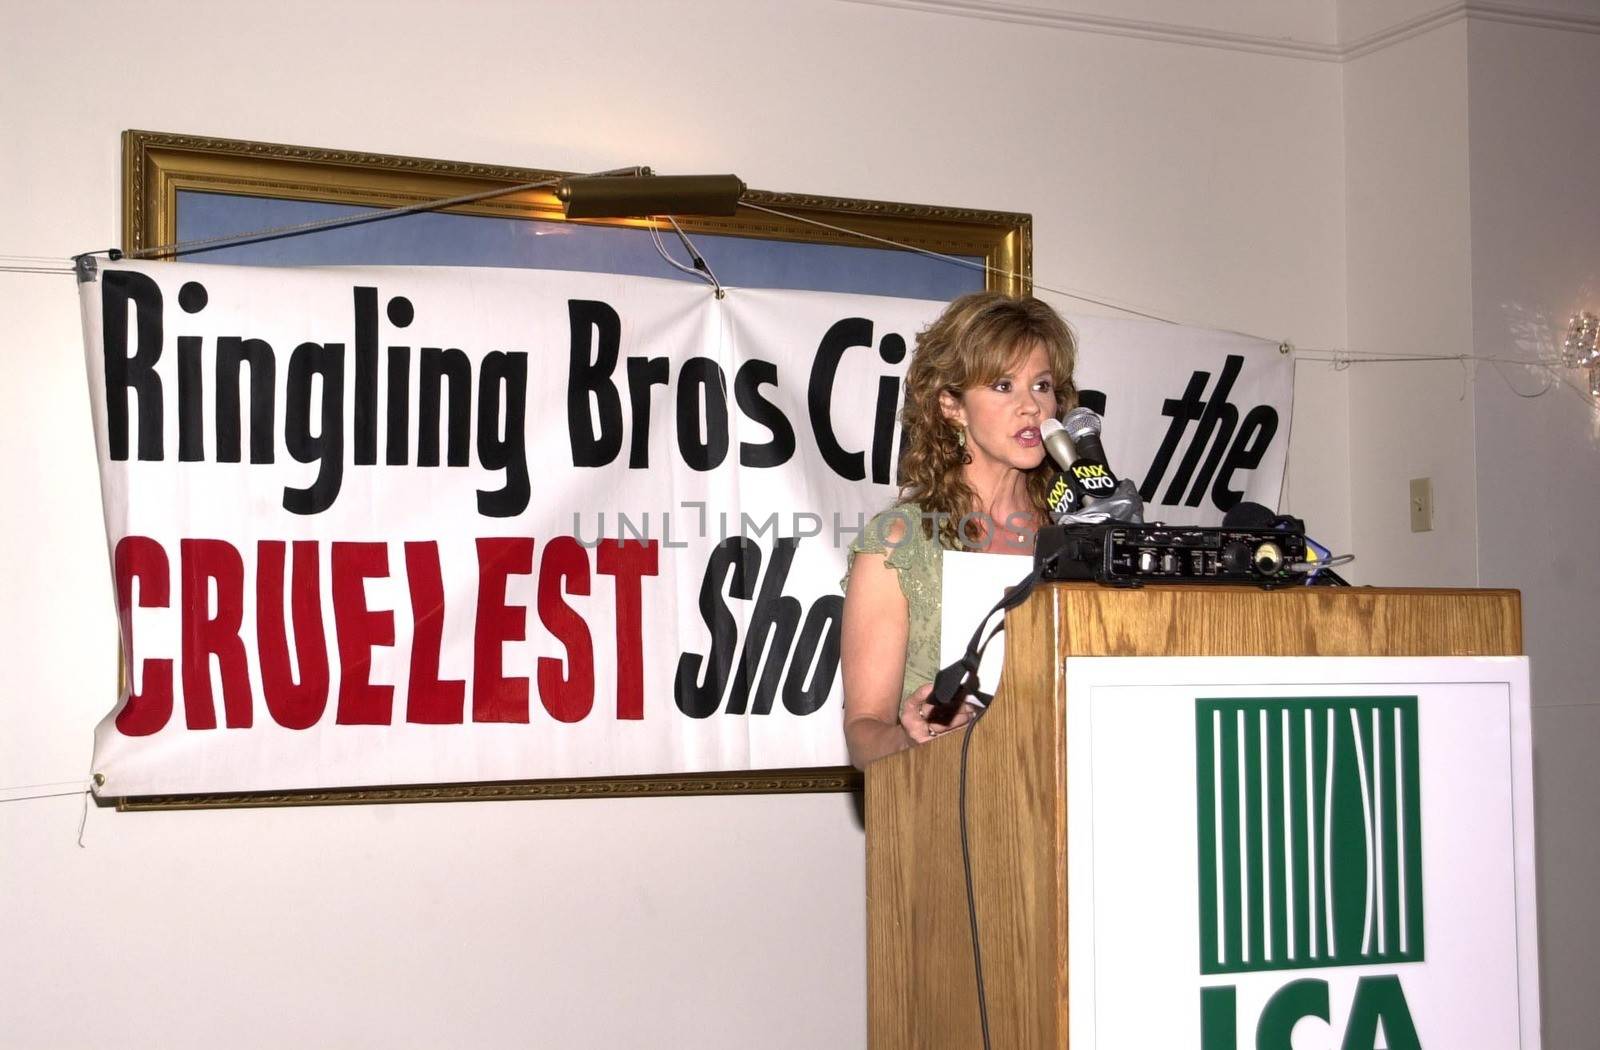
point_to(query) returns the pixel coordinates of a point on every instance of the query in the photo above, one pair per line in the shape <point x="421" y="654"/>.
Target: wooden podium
<point x="920" y="984"/>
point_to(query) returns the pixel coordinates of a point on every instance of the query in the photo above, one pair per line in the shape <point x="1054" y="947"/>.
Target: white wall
<point x="1409" y="281"/>
<point x="1535" y="118"/>
<point x="1202" y="182"/>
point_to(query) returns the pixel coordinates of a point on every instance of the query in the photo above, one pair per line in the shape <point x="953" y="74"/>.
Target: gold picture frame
<point x="158" y="166"/>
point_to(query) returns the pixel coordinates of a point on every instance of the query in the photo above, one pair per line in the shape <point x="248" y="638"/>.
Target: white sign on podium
<point x="1301" y="852"/>
<point x="1290" y="853"/>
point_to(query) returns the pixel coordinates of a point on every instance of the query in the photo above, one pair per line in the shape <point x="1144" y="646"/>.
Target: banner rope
<point x="335" y="222"/>
<point x="76" y="786"/>
<point x="1340" y="359"/>
<point x="84" y="787"/>
<point x="46" y="794"/>
<point x="83" y="820"/>
<point x="20" y="267"/>
<point x="340" y="221"/>
<point x="1343" y="359"/>
<point x="984" y="267"/>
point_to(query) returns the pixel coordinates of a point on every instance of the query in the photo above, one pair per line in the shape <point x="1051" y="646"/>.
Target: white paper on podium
<point x="973" y="583"/>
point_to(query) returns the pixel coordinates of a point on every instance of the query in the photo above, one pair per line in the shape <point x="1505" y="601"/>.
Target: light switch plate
<point x="1421" y="504"/>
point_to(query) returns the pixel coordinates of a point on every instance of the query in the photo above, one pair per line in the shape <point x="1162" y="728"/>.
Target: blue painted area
<point x="438" y="239"/>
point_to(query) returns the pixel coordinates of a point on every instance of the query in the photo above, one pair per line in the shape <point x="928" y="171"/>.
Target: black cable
<point x="972" y="904"/>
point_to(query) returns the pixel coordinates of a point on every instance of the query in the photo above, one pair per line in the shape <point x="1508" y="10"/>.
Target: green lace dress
<point x="919" y="564"/>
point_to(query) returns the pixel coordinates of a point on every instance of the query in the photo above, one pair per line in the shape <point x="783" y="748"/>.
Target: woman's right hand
<point x="914" y="717"/>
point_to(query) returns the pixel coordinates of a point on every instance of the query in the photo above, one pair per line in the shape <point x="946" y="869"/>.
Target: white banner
<point x="424" y="525"/>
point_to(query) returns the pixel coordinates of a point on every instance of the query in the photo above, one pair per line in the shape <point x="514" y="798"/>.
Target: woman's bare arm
<point x="877" y="625"/>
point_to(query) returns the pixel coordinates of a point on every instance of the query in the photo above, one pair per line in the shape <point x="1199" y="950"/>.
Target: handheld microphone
<point x="1082" y="426"/>
<point x="1066" y="495"/>
<point x="1086" y="491"/>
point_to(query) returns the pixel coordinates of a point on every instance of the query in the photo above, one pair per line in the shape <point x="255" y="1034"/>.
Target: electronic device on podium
<point x="1099" y="532"/>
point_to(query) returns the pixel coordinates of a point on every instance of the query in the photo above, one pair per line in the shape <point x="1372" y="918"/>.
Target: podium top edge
<point x="1171" y="588"/>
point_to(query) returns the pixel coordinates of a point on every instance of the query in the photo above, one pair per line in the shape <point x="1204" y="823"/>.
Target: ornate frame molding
<point x="755" y="782"/>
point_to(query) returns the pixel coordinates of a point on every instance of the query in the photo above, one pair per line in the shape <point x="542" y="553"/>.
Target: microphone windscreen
<point x="1057" y="443"/>
<point x="1249" y="515"/>
<point x="1081" y="421"/>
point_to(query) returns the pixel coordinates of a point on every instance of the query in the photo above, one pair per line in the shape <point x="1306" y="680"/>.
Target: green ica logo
<point x="1310" y="855"/>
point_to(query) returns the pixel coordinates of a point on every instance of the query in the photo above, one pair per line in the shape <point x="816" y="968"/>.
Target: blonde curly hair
<point x="977" y="339"/>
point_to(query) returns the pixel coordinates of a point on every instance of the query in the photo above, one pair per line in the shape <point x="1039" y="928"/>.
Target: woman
<point x="983" y="377"/>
